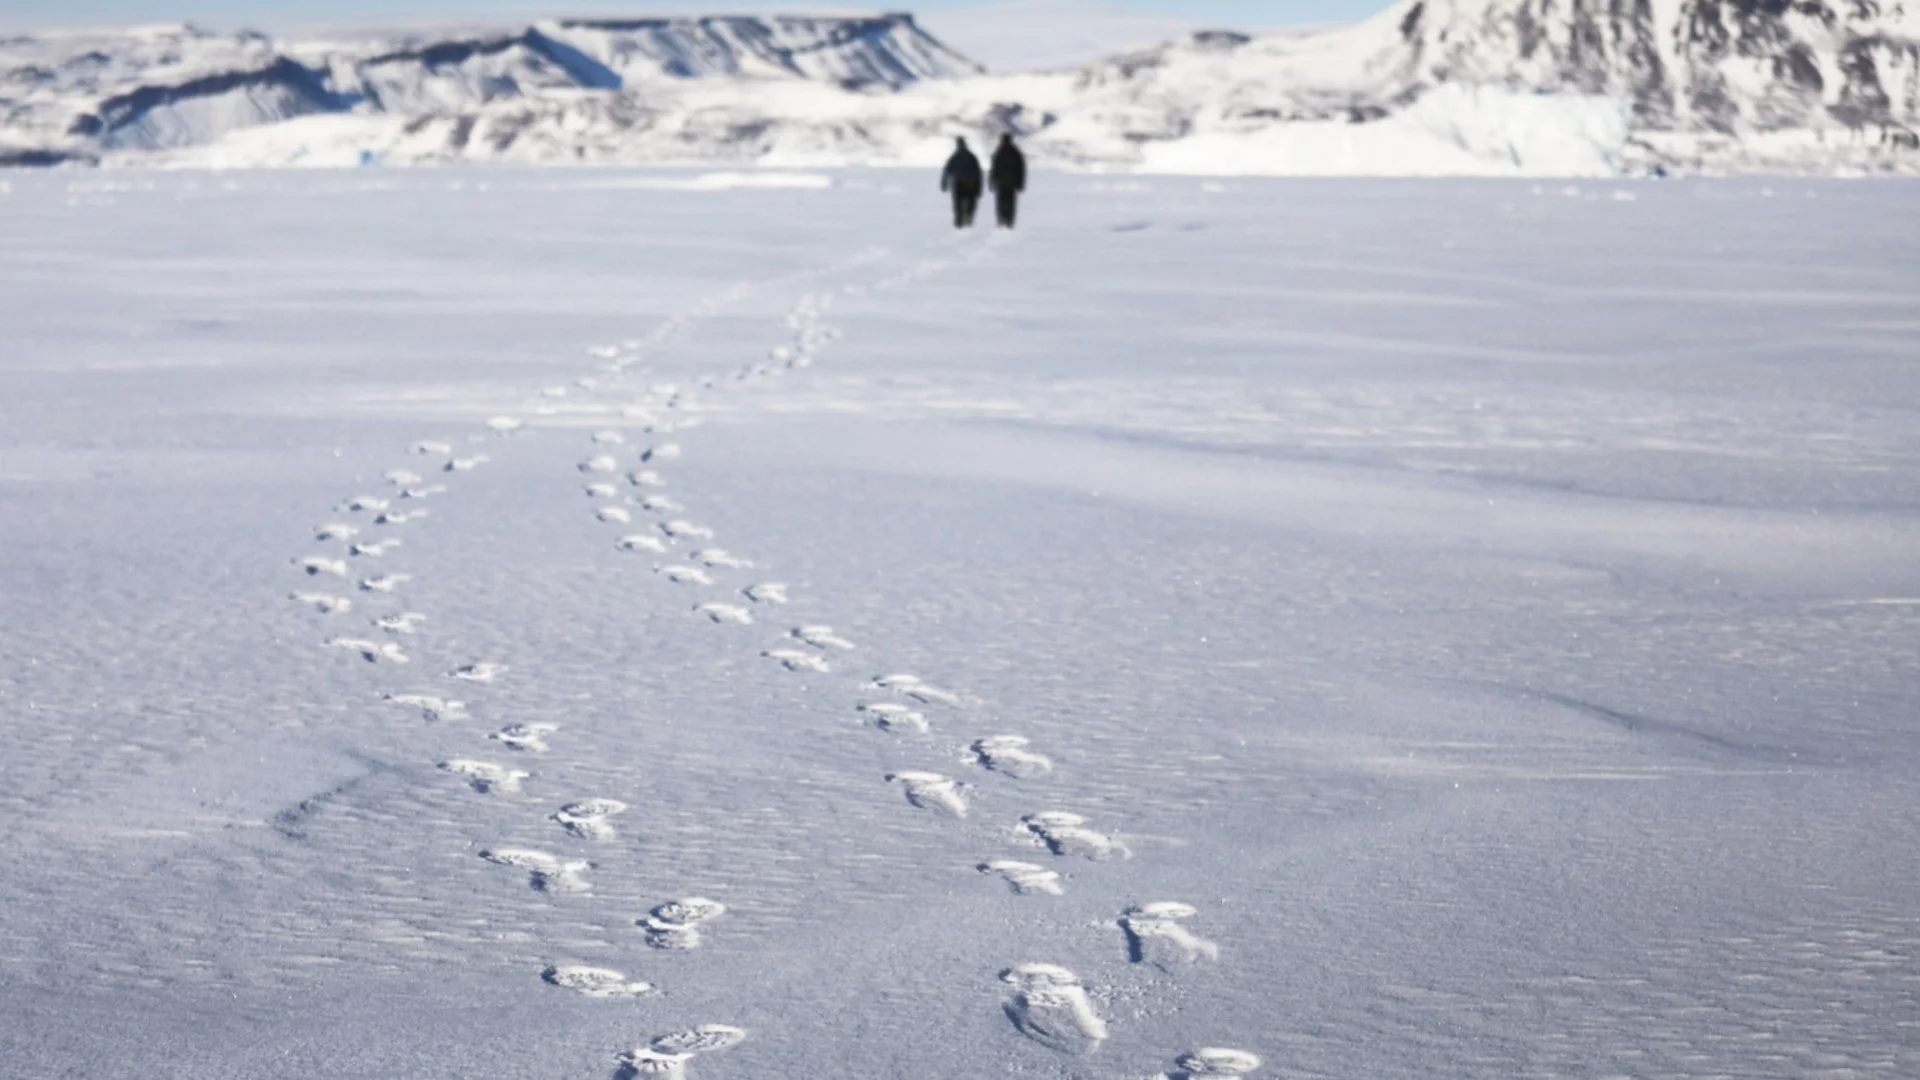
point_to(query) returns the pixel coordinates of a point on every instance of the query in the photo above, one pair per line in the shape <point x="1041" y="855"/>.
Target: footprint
<point x="429" y="446"/>
<point x="486" y="777"/>
<point x="401" y="477"/>
<point x="767" y="592"/>
<point x="662" y="452"/>
<point x="465" y="464"/>
<point x="360" y="503"/>
<point x="431" y="708"/>
<point x="911" y="686"/>
<point x="1009" y="754"/>
<point x="721" y="557"/>
<point x="821" y="637"/>
<point x="595" y="982"/>
<point x="613" y="515"/>
<point x="896" y="718"/>
<point x="705" y="1039"/>
<point x="1155" y="936"/>
<point x="795" y="660"/>
<point x="335" y="530"/>
<point x="643" y="543"/>
<point x="315" y="565"/>
<point x="546" y="873"/>
<point x="407" y="622"/>
<point x="527" y="738"/>
<point x="1051" y="1007"/>
<point x="1213" y="1061"/>
<point x="676" y="923"/>
<point x="601" y="491"/>
<point x="1067" y="834"/>
<point x="480" y="673"/>
<point x="325" y="602"/>
<point x="374" y="549"/>
<point x="1026" y="877"/>
<point x="645" y="478"/>
<point x="371" y="651"/>
<point x="587" y="819"/>
<point x="601" y="464"/>
<point x="401" y="517"/>
<point x="608" y="438"/>
<point x="932" y="791"/>
<point x="659" y="1058"/>
<point x="423" y="492"/>
<point x="726" y="613"/>
<point x="384" y="583"/>
<point x="680" y="530"/>
<point x="505" y="425"/>
<point x="685" y="575"/>
<point x="659" y="504"/>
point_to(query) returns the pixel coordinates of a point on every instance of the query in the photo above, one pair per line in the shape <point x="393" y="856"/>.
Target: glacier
<point x="1426" y="87"/>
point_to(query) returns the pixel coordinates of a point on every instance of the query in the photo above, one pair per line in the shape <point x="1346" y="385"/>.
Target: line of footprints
<point x="1045" y="1002"/>
<point x="361" y="542"/>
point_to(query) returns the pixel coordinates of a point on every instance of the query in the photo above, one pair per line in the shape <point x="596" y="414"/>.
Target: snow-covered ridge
<point x="1563" y="87"/>
<point x="886" y="50"/>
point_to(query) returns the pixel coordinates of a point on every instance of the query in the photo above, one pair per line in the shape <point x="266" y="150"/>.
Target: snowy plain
<point x="1490" y="605"/>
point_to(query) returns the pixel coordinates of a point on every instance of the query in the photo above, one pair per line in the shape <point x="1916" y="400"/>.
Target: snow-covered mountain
<point x="152" y="88"/>
<point x="1425" y="87"/>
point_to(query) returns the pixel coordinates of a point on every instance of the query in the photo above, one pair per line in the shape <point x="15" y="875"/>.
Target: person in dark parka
<point x="963" y="179"/>
<point x="1008" y="179"/>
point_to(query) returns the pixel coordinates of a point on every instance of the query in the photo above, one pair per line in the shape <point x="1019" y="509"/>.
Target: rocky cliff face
<point x="1706" y="65"/>
<point x="1720" y="66"/>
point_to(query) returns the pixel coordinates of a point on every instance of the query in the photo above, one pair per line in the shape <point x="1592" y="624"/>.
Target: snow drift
<point x="1427" y="87"/>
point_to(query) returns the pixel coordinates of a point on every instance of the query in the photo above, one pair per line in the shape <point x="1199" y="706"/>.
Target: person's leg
<point x="959" y="210"/>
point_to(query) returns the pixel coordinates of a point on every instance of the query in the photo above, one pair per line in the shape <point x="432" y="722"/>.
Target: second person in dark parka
<point x="1008" y="179"/>
<point x="962" y="178"/>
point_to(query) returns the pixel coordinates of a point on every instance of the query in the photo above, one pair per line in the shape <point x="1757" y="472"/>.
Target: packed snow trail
<point x="1267" y="629"/>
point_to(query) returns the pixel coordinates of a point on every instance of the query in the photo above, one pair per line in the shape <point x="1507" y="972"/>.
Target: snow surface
<point x="1468" y="628"/>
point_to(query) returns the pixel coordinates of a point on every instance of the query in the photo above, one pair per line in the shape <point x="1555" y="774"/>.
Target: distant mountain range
<point x="1543" y="87"/>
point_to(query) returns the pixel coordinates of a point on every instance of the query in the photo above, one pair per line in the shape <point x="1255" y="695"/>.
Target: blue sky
<point x="290" y="15"/>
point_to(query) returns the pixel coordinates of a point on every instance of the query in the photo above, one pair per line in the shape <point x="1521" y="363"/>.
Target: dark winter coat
<point x="962" y="175"/>
<point x="1009" y="169"/>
